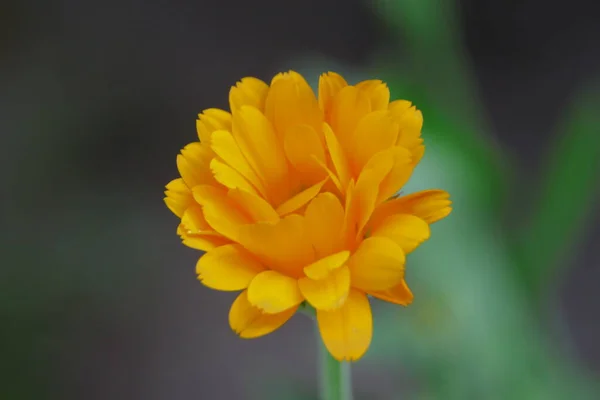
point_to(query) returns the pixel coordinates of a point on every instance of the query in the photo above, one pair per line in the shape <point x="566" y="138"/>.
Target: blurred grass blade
<point x="568" y="190"/>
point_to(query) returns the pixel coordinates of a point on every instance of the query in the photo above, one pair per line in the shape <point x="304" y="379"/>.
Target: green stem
<point x="335" y="376"/>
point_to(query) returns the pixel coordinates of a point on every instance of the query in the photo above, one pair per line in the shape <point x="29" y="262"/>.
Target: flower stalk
<point x="335" y="376"/>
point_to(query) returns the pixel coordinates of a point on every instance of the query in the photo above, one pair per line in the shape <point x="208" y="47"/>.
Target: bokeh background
<point x="98" y="298"/>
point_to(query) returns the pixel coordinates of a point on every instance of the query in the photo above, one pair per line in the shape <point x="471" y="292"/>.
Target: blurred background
<point x="98" y="298"/>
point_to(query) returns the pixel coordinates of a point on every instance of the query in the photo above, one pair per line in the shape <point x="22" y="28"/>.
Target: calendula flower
<point x="292" y="197"/>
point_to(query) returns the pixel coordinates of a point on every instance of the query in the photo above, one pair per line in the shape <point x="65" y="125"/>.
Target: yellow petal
<point x="429" y="205"/>
<point x="366" y="192"/>
<point x="347" y="331"/>
<point x="248" y="92"/>
<point x="211" y="120"/>
<point x="338" y="156"/>
<point x="283" y="246"/>
<point x="254" y="206"/>
<point x="178" y="196"/>
<point x="273" y="292"/>
<point x="290" y="102"/>
<point x="330" y="84"/>
<point x="349" y="232"/>
<point x="221" y="213"/>
<point x="228" y="268"/>
<point x="399" y="294"/>
<point x="193" y="219"/>
<point x="301" y="199"/>
<point x="320" y="269"/>
<point x="374" y="133"/>
<point x="304" y="149"/>
<point x="350" y="105"/>
<point x="378" y="93"/>
<point x="402" y="168"/>
<point x="377" y="264"/>
<point x="229" y="177"/>
<point x="328" y="293"/>
<point x="410" y="123"/>
<point x="194" y="164"/>
<point x="263" y="150"/>
<point x="225" y="146"/>
<point x="324" y="218"/>
<point x="406" y="230"/>
<point x="249" y="322"/>
<point x="205" y="241"/>
<point x="195" y="231"/>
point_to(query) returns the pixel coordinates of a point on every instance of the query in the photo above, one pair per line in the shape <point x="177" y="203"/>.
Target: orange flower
<point x="291" y="198"/>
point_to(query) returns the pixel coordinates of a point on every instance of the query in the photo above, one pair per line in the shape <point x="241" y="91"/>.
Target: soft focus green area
<point x="475" y="329"/>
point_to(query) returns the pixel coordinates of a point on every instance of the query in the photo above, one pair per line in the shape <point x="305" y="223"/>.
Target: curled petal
<point x="273" y="292"/>
<point x="328" y="293"/>
<point x="249" y="322"/>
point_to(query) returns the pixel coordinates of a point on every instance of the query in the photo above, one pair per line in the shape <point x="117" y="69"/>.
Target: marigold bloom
<point x="293" y="199"/>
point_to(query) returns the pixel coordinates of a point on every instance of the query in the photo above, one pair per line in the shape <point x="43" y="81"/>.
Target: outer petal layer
<point x="399" y="294"/>
<point x="328" y="293"/>
<point x="249" y="322"/>
<point x="273" y="292"/>
<point x="429" y="205"/>
<point x="408" y="231"/>
<point x="227" y="268"/>
<point x="347" y="331"/>
<point x="377" y="264"/>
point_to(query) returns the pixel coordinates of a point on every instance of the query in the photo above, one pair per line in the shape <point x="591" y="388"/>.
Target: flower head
<point x="292" y="197"/>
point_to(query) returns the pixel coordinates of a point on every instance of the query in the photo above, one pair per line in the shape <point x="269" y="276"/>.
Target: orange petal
<point x="407" y="231"/>
<point x="377" y="264"/>
<point x="301" y="199"/>
<point x="273" y="292"/>
<point x="304" y="149"/>
<point x="410" y="123"/>
<point x="291" y="102"/>
<point x="195" y="231"/>
<point x="225" y="146"/>
<point x="402" y="168"/>
<point x="429" y="205"/>
<point x="283" y="246"/>
<point x="194" y="164"/>
<point x="254" y="206"/>
<point x="248" y="92"/>
<point x="349" y="106"/>
<point x="399" y="294"/>
<point x="205" y="241"/>
<point x="228" y="268"/>
<point x="178" y="196"/>
<point x="263" y="150"/>
<point x="347" y="331"/>
<point x="374" y="133"/>
<point x="229" y="177"/>
<point x="249" y="322"/>
<point x="338" y="157"/>
<point x="330" y="84"/>
<point x="351" y="213"/>
<point x="211" y="120"/>
<point x="320" y="269"/>
<point x="324" y="218"/>
<point x="378" y="93"/>
<point x="328" y="293"/>
<point x="367" y="186"/>
<point x="221" y="212"/>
